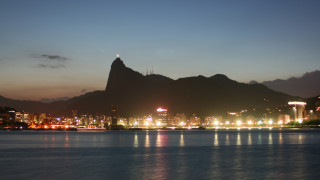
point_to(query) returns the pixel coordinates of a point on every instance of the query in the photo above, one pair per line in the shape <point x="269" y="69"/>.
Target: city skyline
<point x="56" y="49"/>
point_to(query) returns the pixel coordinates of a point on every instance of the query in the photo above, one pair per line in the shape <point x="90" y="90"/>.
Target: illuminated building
<point x="18" y="117"/>
<point x="42" y="117"/>
<point x="194" y="120"/>
<point x="135" y="121"/>
<point x="284" y="118"/>
<point x="162" y="117"/>
<point x="7" y="114"/>
<point x="298" y="110"/>
<point x="114" y="115"/>
<point x="233" y="117"/>
<point x="147" y="120"/>
<point x="213" y="120"/>
<point x="74" y="116"/>
<point x="122" y="121"/>
<point x="107" y="121"/>
<point x="180" y="119"/>
<point x="250" y="120"/>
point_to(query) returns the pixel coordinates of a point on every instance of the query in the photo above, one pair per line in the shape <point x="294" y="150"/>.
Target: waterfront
<point x="201" y="154"/>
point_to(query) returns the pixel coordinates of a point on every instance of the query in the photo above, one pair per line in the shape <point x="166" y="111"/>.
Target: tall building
<point x="298" y="110"/>
<point x="114" y="115"/>
<point x="162" y="117"/>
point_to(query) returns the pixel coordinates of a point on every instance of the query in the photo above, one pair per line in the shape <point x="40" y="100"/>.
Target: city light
<point x="250" y="122"/>
<point x="280" y="122"/>
<point x="216" y="123"/>
<point x="270" y="122"/>
<point x="162" y="110"/>
<point x="227" y="122"/>
<point x="296" y="103"/>
<point x="239" y="122"/>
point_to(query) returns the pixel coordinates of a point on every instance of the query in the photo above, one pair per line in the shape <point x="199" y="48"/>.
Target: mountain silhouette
<point x="138" y="94"/>
<point x="306" y="86"/>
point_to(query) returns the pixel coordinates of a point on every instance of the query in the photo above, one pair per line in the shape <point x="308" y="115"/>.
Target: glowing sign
<point x="296" y="103"/>
<point x="162" y="110"/>
<point x="232" y="113"/>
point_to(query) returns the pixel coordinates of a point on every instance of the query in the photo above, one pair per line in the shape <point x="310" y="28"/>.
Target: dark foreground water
<point x="209" y="154"/>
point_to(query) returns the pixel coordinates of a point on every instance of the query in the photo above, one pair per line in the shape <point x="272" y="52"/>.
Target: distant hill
<point x="306" y="86"/>
<point x="137" y="94"/>
<point x="50" y="100"/>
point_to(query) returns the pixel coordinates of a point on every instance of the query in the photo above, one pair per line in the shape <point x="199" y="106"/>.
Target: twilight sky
<point x="60" y="48"/>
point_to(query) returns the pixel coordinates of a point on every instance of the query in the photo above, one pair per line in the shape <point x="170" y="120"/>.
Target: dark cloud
<point x="54" y="57"/>
<point x="56" y="66"/>
<point x="51" y="61"/>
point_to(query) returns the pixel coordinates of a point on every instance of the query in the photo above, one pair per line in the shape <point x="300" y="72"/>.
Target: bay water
<point x="160" y="154"/>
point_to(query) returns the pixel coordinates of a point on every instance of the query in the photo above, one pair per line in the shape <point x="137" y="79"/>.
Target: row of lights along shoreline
<point x="161" y="119"/>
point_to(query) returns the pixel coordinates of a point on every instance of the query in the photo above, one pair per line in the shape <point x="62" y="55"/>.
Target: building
<point x="233" y="118"/>
<point x="114" y="115"/>
<point x="298" y="110"/>
<point x="162" y="117"/>
<point x="283" y="119"/>
<point x="194" y="120"/>
<point x="180" y="119"/>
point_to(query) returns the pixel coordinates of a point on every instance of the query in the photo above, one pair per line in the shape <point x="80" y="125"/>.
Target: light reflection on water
<point x="216" y="154"/>
<point x="181" y="140"/>
<point x="249" y="139"/>
<point x="270" y="138"/>
<point x="136" y="141"/>
<point x="67" y="141"/>
<point x="216" y="140"/>
<point x="238" y="139"/>
<point x="47" y="139"/>
<point x="147" y="141"/>
<point x="227" y="139"/>
<point x="280" y="138"/>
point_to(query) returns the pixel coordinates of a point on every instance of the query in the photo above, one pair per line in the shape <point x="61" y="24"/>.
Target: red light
<point x="162" y="110"/>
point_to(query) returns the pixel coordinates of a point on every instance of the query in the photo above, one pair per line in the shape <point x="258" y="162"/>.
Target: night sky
<point x="52" y="49"/>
